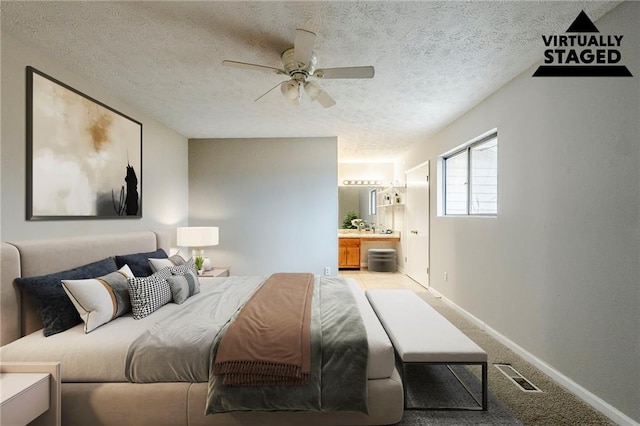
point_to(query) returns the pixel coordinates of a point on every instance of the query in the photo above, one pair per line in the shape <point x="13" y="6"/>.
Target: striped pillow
<point x="183" y="286"/>
<point x="100" y="300"/>
<point x="158" y="264"/>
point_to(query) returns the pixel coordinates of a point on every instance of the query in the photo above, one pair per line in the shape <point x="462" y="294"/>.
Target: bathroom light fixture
<point x="361" y="182"/>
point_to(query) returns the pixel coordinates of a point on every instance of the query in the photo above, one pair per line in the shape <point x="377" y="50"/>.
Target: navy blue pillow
<point x="139" y="262"/>
<point x="50" y="300"/>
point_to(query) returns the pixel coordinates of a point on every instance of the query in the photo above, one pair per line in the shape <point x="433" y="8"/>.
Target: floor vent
<point x="518" y="379"/>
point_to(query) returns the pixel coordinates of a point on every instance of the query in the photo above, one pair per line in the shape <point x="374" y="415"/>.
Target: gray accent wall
<point x="164" y="156"/>
<point x="557" y="272"/>
<point x="275" y="201"/>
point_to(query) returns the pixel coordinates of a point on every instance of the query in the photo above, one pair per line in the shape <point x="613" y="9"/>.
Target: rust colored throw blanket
<point x="269" y="344"/>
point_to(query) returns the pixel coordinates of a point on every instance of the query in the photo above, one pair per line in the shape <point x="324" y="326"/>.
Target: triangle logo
<point x="582" y="24"/>
<point x="584" y="54"/>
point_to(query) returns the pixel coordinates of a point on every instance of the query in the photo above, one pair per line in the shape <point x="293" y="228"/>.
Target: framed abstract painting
<point x="84" y="158"/>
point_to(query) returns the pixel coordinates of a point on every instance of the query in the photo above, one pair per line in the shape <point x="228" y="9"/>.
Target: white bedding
<point x="100" y="356"/>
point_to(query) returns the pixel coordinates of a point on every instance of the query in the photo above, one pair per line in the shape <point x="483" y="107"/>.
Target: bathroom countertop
<point x="370" y="236"/>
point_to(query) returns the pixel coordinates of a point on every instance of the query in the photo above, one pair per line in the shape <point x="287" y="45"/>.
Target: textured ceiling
<point x="433" y="60"/>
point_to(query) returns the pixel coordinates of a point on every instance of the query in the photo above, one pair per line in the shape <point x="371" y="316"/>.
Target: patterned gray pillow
<point x="189" y="266"/>
<point x="148" y="294"/>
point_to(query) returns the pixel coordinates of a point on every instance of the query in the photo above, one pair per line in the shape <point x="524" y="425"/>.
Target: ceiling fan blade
<point x="345" y="72"/>
<point x="316" y="93"/>
<point x="246" y="65"/>
<point x="303" y="46"/>
<point x="325" y="100"/>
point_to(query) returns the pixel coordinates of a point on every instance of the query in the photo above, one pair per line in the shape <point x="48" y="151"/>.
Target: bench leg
<point x="403" y="379"/>
<point x="485" y="386"/>
<point x="482" y="402"/>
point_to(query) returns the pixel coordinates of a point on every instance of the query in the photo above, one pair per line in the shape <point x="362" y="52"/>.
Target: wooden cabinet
<point x="349" y="253"/>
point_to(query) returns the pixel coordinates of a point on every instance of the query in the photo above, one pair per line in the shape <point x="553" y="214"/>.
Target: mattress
<point x="100" y="356"/>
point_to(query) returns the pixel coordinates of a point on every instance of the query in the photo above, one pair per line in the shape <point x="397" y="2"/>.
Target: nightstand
<point x="30" y="391"/>
<point x="217" y="271"/>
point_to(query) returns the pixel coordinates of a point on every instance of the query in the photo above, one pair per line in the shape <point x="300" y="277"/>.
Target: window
<point x="455" y="180"/>
<point x="470" y="178"/>
<point x="373" y="201"/>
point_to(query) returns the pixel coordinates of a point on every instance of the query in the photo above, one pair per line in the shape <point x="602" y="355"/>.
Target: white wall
<point x="164" y="169"/>
<point x="557" y="272"/>
<point x="275" y="201"/>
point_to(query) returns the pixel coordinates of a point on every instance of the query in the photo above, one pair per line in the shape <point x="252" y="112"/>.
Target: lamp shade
<point x="197" y="236"/>
<point x="290" y="89"/>
<point x="312" y="89"/>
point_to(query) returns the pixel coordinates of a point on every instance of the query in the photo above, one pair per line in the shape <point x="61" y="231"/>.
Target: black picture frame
<point x="84" y="158"/>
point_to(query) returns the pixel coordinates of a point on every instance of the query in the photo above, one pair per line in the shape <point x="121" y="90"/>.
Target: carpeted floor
<point x="553" y="406"/>
<point x="434" y="386"/>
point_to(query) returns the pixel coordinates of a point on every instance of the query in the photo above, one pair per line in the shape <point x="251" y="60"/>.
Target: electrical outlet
<point x="446" y="277"/>
<point x="327" y="270"/>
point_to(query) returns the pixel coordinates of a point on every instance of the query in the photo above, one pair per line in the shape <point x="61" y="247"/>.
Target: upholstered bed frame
<point x="146" y="404"/>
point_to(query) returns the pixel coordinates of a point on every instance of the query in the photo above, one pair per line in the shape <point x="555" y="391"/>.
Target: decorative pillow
<point x="183" y="286"/>
<point x="188" y="266"/>
<point x="157" y="264"/>
<point x="139" y="262"/>
<point x="51" y="302"/>
<point x="148" y="294"/>
<point x="100" y="300"/>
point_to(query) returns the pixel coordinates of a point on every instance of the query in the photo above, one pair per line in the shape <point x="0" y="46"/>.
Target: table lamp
<point x="198" y="237"/>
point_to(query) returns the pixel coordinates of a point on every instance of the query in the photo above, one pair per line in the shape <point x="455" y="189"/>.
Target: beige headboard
<point x="39" y="257"/>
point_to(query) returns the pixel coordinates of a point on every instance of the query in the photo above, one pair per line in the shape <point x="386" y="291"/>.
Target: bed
<point x="95" y="386"/>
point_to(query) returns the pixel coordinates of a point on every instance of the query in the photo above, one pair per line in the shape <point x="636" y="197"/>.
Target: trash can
<point x="381" y="260"/>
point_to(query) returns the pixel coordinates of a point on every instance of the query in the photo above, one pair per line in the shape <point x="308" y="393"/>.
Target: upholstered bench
<point x="420" y="335"/>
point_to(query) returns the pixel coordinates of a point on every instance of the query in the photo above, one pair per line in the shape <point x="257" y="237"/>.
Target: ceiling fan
<point x="299" y="63"/>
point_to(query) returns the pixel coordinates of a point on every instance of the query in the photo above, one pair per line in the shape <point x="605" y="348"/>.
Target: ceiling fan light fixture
<point x="290" y="89"/>
<point x="299" y="63"/>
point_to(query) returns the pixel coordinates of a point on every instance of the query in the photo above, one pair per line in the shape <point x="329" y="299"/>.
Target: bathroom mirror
<point x="359" y="199"/>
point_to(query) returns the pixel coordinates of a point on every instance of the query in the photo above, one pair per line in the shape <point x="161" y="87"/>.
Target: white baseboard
<point x="596" y="402"/>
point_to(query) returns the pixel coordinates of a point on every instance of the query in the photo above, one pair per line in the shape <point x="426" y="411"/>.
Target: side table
<point x="217" y="271"/>
<point x="30" y="390"/>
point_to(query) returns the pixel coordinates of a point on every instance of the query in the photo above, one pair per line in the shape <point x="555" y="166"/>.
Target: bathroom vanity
<point x="353" y="246"/>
